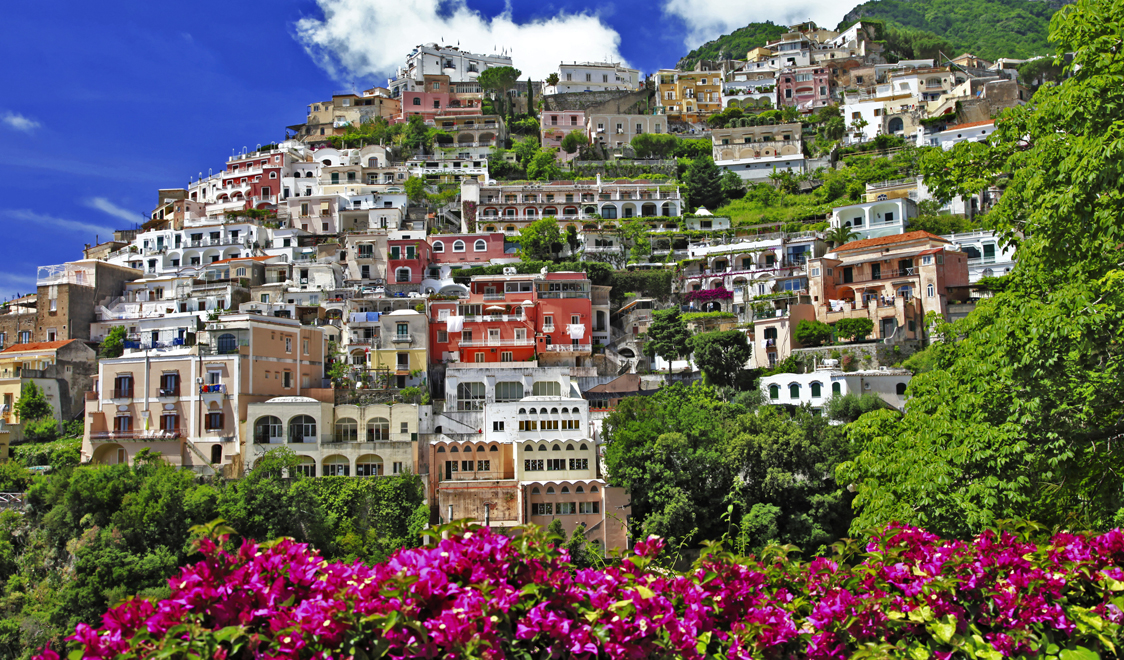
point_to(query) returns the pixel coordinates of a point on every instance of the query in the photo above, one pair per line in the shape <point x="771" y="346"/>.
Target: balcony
<point x="213" y="388"/>
<point x="401" y="338"/>
<point x="123" y="392"/>
<point x="169" y="391"/>
<point x="135" y="436"/>
<point x="485" y="343"/>
<point x="569" y="348"/>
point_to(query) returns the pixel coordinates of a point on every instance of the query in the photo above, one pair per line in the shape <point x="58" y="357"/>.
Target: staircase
<point x="205" y="465"/>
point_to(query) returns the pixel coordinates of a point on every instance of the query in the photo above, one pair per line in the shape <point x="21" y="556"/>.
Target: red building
<point x="806" y="87"/>
<point x="514" y="318"/>
<point x="407" y="257"/>
<point x="467" y="248"/>
<point x="254" y="179"/>
<point x="437" y="96"/>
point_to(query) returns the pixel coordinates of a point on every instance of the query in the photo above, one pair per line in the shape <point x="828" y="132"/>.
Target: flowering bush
<point x="708" y="295"/>
<point x="905" y="593"/>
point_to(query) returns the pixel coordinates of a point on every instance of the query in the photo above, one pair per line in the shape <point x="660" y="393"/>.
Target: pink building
<point x="806" y="87"/>
<point x="467" y="248"/>
<point x="557" y="125"/>
<point x="435" y="97"/>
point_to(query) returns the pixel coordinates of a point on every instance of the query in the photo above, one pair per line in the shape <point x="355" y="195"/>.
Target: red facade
<point x="406" y="260"/>
<point x="514" y="318"/>
<point x="466" y="248"/>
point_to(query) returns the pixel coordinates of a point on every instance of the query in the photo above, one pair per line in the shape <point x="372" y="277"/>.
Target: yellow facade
<point x="689" y="96"/>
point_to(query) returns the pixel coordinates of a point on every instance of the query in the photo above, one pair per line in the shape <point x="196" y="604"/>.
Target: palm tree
<point x="839" y="235"/>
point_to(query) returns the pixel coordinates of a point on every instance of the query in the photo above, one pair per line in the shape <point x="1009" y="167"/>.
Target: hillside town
<point x="462" y="274"/>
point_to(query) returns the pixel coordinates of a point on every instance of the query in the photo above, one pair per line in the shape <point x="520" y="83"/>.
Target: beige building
<point x="689" y="96"/>
<point x="64" y="370"/>
<point x="187" y="403"/>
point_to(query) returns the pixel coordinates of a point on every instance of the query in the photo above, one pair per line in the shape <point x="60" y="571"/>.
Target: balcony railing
<point x="484" y="343"/>
<point x="123" y="392"/>
<point x="568" y="348"/>
<point x="212" y="388"/>
<point x="143" y="436"/>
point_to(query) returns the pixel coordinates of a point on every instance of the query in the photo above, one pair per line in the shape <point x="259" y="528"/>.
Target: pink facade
<point x="435" y="97"/>
<point x="466" y="248"/>
<point x="804" y="87"/>
<point x="557" y="125"/>
<point x="407" y="260"/>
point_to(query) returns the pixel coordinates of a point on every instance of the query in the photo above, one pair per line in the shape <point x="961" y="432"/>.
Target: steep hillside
<point x="987" y="28"/>
<point x="734" y="45"/>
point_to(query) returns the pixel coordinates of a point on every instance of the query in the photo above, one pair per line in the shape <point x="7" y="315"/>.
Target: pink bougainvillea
<point x="478" y="594"/>
<point x="708" y="295"/>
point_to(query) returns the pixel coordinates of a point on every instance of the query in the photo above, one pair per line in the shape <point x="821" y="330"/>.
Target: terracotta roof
<point x="625" y="383"/>
<point x="969" y="125"/>
<point x="889" y="240"/>
<point x="226" y="261"/>
<point x="37" y="346"/>
<point x="933" y="251"/>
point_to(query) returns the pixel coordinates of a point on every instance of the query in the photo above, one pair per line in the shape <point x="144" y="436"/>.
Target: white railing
<point x="568" y="348"/>
<point x="483" y="343"/>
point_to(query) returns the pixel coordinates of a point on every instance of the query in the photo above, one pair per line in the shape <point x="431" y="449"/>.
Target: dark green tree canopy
<point x="721" y="355"/>
<point x="668" y="336"/>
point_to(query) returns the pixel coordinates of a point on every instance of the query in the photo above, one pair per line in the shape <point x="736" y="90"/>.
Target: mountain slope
<point x="922" y="28"/>
<point x="987" y="28"/>
<point x="734" y="45"/>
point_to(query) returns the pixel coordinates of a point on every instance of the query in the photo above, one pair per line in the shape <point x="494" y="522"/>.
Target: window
<point x="122" y="385"/>
<point x="122" y="424"/>
<point x="543" y="509"/>
<point x="589" y="507"/>
<point x="288" y="344"/>
<point x="816" y="390"/>
<point x="533" y="465"/>
<point x="835" y="389"/>
<point x="774" y="392"/>
<point x="347" y="430"/>
<point x="442" y="336"/>
<point x="466" y="466"/>
<point x="438" y="246"/>
<point x="214" y="421"/>
<point x="497" y="426"/>
<point x="509" y="391"/>
<point x="458" y="246"/>
<point x="794" y="391"/>
<point x="470" y="396"/>
<point x="302" y="428"/>
<point x="546" y="388"/>
<point x="931" y="290"/>
<point x="378" y="429"/>
<point x="555" y="464"/>
<point x="480" y="246"/>
<point x="417" y="101"/>
<point x="579" y="463"/>
<point x="170" y="384"/>
<point x="287" y="379"/>
<point x="899" y="389"/>
<point x="169" y="422"/>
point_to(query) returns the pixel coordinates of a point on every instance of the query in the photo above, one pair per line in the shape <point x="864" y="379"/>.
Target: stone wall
<point x="868" y="355"/>
<point x="611" y="102"/>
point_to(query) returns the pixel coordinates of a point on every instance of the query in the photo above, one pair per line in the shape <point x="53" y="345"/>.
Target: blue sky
<point x="101" y="104"/>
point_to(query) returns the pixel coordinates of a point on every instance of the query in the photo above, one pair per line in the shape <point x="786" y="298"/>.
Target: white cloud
<point x="13" y="283"/>
<point x="19" y="122"/>
<point x="708" y="19"/>
<point x="106" y="206"/>
<point x="371" y="38"/>
<point x="76" y="226"/>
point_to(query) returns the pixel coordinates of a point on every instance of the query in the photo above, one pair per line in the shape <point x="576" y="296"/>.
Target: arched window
<point x="378" y="429"/>
<point x="550" y="490"/>
<point x="593" y="489"/>
<point x="569" y="448"/>
<point x="347" y="430"/>
<point x="494" y="448"/>
<point x="302" y="428"/>
<point x="553" y="411"/>
<point x="509" y="391"/>
<point x="546" y="388"/>
<point x="438" y="246"/>
<point x="480" y="246"/>
<point x="535" y="491"/>
<point x="566" y="490"/>
<point x="542" y="447"/>
<point x="835" y="389"/>
<point x="816" y="390"/>
<point x="794" y="391"/>
<point x="458" y="246"/>
<point x="368" y="465"/>
<point x="336" y="466"/>
<point x="267" y="429"/>
<point x="402" y="275"/>
<point x="899" y="389"/>
<point x="579" y="489"/>
<point x="556" y="448"/>
<point x="522" y="411"/>
<point x="931" y="290"/>
<point x="774" y="392"/>
<point x="227" y="344"/>
<point x="440" y="450"/>
<point x="583" y="447"/>
<point x="454" y="450"/>
<point x="529" y="448"/>
<point x="565" y="411"/>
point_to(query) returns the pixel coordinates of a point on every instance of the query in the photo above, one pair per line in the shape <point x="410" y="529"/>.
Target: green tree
<point x="733" y="186"/>
<point x="721" y="355"/>
<point x="572" y="239"/>
<point x="851" y="406"/>
<point x="539" y="241"/>
<point x="32" y="404"/>
<point x="544" y="166"/>
<point x="552" y="79"/>
<point x="114" y="343"/>
<point x="526" y="148"/>
<point x="498" y="81"/>
<point x="812" y="333"/>
<point x="573" y="141"/>
<point x="416" y="190"/>
<point x="704" y="185"/>
<point x="1017" y="417"/>
<point x="668" y="336"/>
<point x="654" y="145"/>
<point x="853" y="329"/>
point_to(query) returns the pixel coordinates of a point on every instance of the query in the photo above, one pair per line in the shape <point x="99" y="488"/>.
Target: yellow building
<point x="689" y="96"/>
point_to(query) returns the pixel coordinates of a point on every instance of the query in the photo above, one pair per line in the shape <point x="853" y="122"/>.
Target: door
<point x="888" y="326"/>
<point x="848" y="275"/>
<point x="493" y="336"/>
<point x="121" y="460"/>
<point x="876" y="271"/>
<point x="448" y="470"/>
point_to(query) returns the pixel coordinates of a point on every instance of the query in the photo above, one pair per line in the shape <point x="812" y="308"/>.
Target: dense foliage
<point x="686" y="455"/>
<point x="1023" y="406"/>
<point x="735" y="45"/>
<point x="92" y="535"/>
<point x="986" y="28"/>
<point x="905" y="593"/>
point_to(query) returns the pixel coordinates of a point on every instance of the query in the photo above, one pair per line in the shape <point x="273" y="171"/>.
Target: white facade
<point x="953" y="135"/>
<point x="757" y="169"/>
<point x="874" y="219"/>
<point x="594" y="77"/>
<point x="437" y="59"/>
<point x="816" y="388"/>
<point x="987" y="256"/>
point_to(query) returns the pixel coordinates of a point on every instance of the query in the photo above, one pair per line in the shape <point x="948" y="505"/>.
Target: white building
<point x="884" y="217"/>
<point x="987" y="257"/>
<point x="594" y="77"/>
<point x="816" y="388"/>
<point x="973" y="132"/>
<point x="437" y="59"/>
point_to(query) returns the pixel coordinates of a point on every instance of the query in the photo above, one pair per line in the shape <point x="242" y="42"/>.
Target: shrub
<point x="813" y="333"/>
<point x="478" y="594"/>
<point x="853" y="329"/>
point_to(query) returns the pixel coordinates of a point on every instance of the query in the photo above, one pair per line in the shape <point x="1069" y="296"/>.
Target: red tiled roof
<point x="933" y="251"/>
<point x="889" y="240"/>
<point x="969" y="125"/>
<point x="37" y="346"/>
